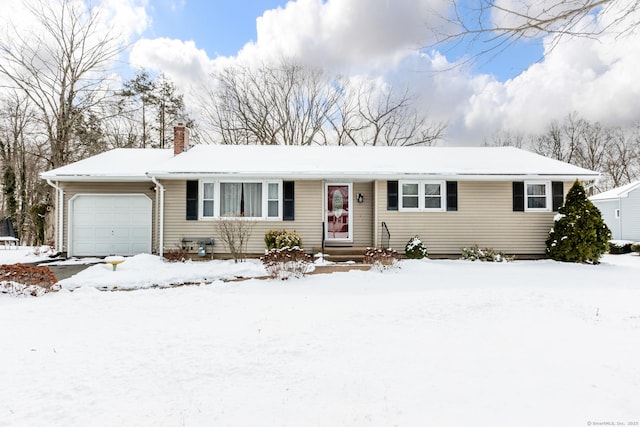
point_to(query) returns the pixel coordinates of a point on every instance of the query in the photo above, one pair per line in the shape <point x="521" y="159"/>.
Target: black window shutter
<point x="192" y="200"/>
<point x="557" y="195"/>
<point x="392" y="195"/>
<point x="518" y="196"/>
<point x="288" y="206"/>
<point x="452" y="195"/>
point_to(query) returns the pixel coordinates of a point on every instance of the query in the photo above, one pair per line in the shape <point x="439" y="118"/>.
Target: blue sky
<point x="223" y="27"/>
<point x="377" y="42"/>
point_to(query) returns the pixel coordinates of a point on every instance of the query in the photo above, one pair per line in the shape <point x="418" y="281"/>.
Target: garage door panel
<point x="110" y="225"/>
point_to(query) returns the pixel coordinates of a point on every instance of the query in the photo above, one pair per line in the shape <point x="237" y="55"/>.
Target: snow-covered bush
<point x="284" y="263"/>
<point x="484" y="254"/>
<point x="618" y="247"/>
<point x="278" y="239"/>
<point x="579" y="233"/>
<point x="635" y="247"/>
<point x="381" y="259"/>
<point x="415" y="249"/>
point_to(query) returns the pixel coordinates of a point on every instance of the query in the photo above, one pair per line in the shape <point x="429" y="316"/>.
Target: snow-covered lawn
<point x="435" y="343"/>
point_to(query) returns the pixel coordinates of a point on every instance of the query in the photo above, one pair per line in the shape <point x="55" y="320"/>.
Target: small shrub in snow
<point x="25" y="280"/>
<point x="234" y="232"/>
<point x="381" y="259"/>
<point x="618" y="247"/>
<point x="415" y="249"/>
<point x="284" y="263"/>
<point x="635" y="247"/>
<point x="278" y="239"/>
<point x="579" y="233"/>
<point x="484" y="254"/>
<point x="176" y="255"/>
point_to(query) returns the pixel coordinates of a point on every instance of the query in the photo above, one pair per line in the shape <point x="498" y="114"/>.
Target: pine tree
<point x="579" y="233"/>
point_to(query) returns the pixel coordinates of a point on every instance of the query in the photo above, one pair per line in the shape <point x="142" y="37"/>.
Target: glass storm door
<point x="338" y="218"/>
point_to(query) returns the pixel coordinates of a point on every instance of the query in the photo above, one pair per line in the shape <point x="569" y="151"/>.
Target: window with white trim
<point x="249" y="199"/>
<point x="537" y="196"/>
<point x="273" y="200"/>
<point x="422" y="195"/>
<point x="208" y="191"/>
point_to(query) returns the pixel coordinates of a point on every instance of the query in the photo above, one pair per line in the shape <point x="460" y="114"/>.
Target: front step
<point x="342" y="253"/>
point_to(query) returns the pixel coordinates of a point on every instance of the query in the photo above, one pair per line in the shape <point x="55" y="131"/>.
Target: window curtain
<point x="230" y="199"/>
<point x="252" y="199"/>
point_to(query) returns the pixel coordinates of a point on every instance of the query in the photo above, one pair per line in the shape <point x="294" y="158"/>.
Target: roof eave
<point x="96" y="178"/>
<point x="373" y="175"/>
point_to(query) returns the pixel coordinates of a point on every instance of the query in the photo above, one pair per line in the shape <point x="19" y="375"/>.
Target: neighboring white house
<point x="620" y="209"/>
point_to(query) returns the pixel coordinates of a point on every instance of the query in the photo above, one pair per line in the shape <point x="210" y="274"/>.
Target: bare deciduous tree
<point x="288" y="104"/>
<point x="561" y="141"/>
<point x="60" y="63"/>
<point x="21" y="156"/>
<point x="234" y="232"/>
<point x="490" y="26"/>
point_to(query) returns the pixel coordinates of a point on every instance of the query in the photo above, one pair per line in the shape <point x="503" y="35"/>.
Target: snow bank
<point x="146" y="271"/>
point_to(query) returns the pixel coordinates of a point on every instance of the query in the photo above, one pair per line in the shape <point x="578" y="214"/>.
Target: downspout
<point x="60" y="211"/>
<point x="160" y="188"/>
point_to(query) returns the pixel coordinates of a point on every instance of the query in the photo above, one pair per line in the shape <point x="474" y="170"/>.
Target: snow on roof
<point x="318" y="162"/>
<point x="114" y="165"/>
<point x="617" y="192"/>
<point x="364" y="162"/>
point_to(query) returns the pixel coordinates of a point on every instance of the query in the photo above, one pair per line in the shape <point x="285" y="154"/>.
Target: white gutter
<point x="160" y="202"/>
<point x="60" y="211"/>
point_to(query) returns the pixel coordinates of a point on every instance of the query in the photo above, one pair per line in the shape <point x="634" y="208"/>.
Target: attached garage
<point x="110" y="224"/>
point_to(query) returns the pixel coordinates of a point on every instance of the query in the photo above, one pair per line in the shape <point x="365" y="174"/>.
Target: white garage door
<point x="110" y="225"/>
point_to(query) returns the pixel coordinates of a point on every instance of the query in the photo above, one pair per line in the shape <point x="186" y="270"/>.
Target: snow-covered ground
<point x="441" y="343"/>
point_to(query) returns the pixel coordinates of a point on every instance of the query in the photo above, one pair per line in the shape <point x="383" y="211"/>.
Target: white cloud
<point x="596" y="78"/>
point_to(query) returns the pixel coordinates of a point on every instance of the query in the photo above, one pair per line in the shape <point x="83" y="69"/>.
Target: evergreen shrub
<point x="618" y="247"/>
<point x="278" y="239"/>
<point x="579" y="233"/>
<point x="484" y="254"/>
<point x="415" y="249"/>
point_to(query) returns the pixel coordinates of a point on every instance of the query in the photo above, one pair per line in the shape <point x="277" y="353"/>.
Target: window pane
<point x="273" y="208"/>
<point x="273" y="191"/>
<point x="230" y="198"/>
<point x="409" y="201"/>
<point x="207" y="190"/>
<point x="410" y="189"/>
<point x="432" y="202"/>
<point x="432" y="189"/>
<point x="536" y="189"/>
<point x="537" y="202"/>
<point x="207" y="208"/>
<point x="252" y="193"/>
<point x="536" y="196"/>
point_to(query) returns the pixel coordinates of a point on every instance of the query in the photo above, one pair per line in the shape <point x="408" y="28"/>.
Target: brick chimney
<point x="180" y="138"/>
